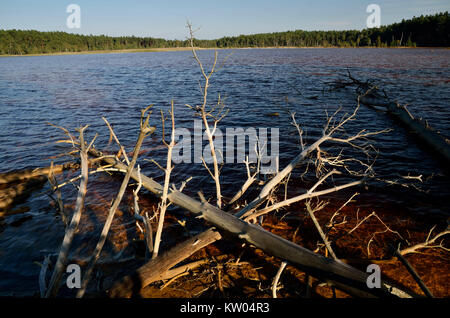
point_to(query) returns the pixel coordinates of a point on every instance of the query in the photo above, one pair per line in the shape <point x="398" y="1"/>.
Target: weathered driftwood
<point x="16" y="186"/>
<point x="145" y="130"/>
<point x="179" y="270"/>
<point x="70" y="231"/>
<point x="265" y="191"/>
<point x="148" y="231"/>
<point x="14" y="193"/>
<point x="327" y="135"/>
<point x="412" y="271"/>
<point x="156" y="268"/>
<point x="277" y="278"/>
<point x="369" y="95"/>
<point x="429" y="136"/>
<point x="342" y="275"/>
<point x="20" y="175"/>
<point x="167" y="171"/>
<point x="207" y="114"/>
<point x="319" y="229"/>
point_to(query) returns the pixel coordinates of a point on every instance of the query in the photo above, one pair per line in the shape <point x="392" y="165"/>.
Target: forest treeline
<point x="430" y="30"/>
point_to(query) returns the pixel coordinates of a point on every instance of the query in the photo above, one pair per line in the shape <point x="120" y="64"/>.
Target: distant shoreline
<point x="178" y="49"/>
<point x="103" y="52"/>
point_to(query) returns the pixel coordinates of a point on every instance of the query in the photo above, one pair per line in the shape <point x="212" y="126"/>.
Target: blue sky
<point x="167" y="19"/>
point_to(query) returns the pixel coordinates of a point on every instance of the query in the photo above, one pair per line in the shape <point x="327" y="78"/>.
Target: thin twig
<point x="277" y="278"/>
<point x="55" y="188"/>
<point x="122" y="149"/>
<point x="319" y="229"/>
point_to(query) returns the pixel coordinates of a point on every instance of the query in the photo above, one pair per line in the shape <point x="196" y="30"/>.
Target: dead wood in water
<point x="13" y="193"/>
<point x="242" y="226"/>
<point x="145" y="130"/>
<point x="412" y="271"/>
<point x="343" y="275"/>
<point x="370" y="95"/>
<point x="21" y="175"/>
<point x="56" y="277"/>
<point x="156" y="268"/>
<point x="333" y="271"/>
<point x="418" y="127"/>
<point x="15" y="186"/>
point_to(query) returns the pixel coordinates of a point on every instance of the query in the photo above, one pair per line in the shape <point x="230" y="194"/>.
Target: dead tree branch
<point x="70" y="231"/>
<point x="319" y="229"/>
<point x="156" y="268"/>
<point x="412" y="271"/>
<point x="148" y="232"/>
<point x="427" y="244"/>
<point x="205" y="114"/>
<point x="168" y="170"/>
<point x="352" y="280"/>
<point x="327" y="135"/>
<point x="145" y="130"/>
<point x="277" y="278"/>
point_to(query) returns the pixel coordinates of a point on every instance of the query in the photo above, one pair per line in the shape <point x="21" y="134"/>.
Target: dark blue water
<point x="75" y="90"/>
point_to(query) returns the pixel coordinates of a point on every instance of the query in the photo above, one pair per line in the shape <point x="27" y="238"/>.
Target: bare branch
<point x="300" y="198"/>
<point x="427" y="244"/>
<point x="168" y="170"/>
<point x="277" y="278"/>
<point x="55" y="188"/>
<point x="145" y="129"/>
<point x="319" y="229"/>
<point x="117" y="140"/>
<point x="53" y="287"/>
<point x="204" y="113"/>
<point x="148" y="233"/>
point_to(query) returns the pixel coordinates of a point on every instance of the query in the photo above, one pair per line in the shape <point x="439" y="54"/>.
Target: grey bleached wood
<point x="341" y="274"/>
<point x="265" y="191"/>
<point x="144" y="131"/>
<point x="60" y="265"/>
<point x="157" y="267"/>
<point x="429" y="136"/>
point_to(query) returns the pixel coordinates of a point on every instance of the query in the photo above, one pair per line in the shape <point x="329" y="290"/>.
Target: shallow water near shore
<point x="75" y="90"/>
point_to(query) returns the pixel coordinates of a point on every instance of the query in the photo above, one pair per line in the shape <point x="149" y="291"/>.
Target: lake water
<point x="74" y="90"/>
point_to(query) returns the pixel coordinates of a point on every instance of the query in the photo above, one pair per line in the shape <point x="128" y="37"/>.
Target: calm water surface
<point x="75" y="90"/>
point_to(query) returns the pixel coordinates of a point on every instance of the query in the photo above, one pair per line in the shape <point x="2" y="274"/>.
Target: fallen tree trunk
<point x="346" y="277"/>
<point x="20" y="175"/>
<point x="15" y="193"/>
<point x="429" y="136"/>
<point x="17" y="185"/>
<point x="156" y="268"/>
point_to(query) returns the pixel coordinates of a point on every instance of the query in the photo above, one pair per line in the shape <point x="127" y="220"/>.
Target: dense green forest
<point x="431" y="30"/>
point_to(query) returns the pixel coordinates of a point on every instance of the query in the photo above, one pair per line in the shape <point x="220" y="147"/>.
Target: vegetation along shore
<point x="414" y="32"/>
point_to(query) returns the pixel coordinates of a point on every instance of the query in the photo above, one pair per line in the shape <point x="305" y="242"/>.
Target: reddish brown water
<point x="75" y="90"/>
